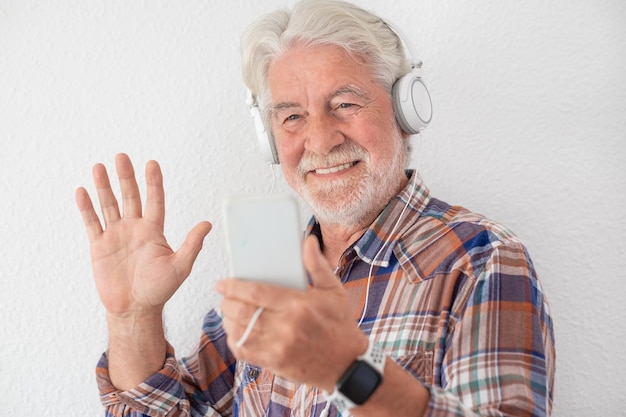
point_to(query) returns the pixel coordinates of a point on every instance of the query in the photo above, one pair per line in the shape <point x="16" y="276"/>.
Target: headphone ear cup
<point x="266" y="142"/>
<point x="411" y="103"/>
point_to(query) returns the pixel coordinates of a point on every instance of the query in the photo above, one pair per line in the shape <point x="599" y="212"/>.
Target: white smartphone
<point x="265" y="239"/>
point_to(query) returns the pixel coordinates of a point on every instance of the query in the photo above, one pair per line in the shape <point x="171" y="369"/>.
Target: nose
<point x="323" y="133"/>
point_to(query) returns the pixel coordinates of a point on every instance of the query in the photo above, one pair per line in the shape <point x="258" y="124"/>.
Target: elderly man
<point x="415" y="307"/>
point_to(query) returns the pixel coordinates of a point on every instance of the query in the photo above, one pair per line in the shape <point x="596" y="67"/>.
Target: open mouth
<point x="336" y="168"/>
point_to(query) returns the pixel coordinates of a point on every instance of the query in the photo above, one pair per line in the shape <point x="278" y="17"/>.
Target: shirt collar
<point x="376" y="245"/>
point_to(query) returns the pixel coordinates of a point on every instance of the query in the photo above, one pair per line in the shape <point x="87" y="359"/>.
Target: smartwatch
<point x="361" y="379"/>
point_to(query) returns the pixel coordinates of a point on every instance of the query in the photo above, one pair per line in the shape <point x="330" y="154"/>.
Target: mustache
<point x="345" y="153"/>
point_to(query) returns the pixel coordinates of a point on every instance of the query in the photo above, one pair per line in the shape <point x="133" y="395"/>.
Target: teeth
<point x="334" y="169"/>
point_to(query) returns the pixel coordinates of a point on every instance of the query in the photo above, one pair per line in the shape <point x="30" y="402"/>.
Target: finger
<point x="155" y="198"/>
<point x="234" y="331"/>
<point x="188" y="251"/>
<point x="88" y="214"/>
<point x="268" y="296"/>
<point x="245" y="337"/>
<point x="131" y="199"/>
<point x="249" y="327"/>
<point x="237" y="312"/>
<point x="322" y="275"/>
<point x="108" y="202"/>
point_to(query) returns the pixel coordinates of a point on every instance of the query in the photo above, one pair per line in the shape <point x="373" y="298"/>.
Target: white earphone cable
<point x="273" y="178"/>
<point x="248" y="330"/>
<point x="369" y="275"/>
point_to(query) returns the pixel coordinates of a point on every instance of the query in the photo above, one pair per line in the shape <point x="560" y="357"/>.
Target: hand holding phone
<point x="265" y="239"/>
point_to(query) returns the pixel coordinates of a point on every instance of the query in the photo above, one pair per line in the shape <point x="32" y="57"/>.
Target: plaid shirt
<point x="454" y="299"/>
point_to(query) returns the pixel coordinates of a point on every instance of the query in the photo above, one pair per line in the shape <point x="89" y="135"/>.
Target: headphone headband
<point x="410" y="51"/>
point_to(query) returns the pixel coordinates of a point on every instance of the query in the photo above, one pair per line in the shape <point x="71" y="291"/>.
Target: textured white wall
<point x="530" y="106"/>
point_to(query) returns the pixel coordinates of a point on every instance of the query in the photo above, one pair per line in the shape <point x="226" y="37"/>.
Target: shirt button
<point x="253" y="373"/>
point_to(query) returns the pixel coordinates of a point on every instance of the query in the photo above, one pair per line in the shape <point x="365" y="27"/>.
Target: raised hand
<point x="135" y="269"/>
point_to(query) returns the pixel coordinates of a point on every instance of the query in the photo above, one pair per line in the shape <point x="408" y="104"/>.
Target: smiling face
<point x="339" y="145"/>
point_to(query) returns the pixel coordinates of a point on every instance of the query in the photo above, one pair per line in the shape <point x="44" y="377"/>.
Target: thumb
<point x="322" y="275"/>
<point x="188" y="251"/>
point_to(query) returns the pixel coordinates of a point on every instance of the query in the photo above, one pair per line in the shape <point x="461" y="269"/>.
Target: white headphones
<point x="412" y="105"/>
<point x="411" y="100"/>
<point x="266" y="141"/>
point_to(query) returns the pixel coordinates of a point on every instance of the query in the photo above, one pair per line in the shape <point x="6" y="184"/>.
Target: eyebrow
<point x="349" y="89"/>
<point x="346" y="89"/>
<point x="282" y="106"/>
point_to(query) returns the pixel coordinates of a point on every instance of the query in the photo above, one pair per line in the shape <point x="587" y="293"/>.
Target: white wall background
<point x="530" y="115"/>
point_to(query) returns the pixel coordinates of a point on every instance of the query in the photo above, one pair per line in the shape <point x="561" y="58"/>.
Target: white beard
<point x="351" y="201"/>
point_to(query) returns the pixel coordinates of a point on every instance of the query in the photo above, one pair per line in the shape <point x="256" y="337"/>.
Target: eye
<point x="291" y="121"/>
<point x="344" y="110"/>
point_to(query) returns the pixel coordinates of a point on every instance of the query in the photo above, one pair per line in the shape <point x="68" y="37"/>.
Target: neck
<point x="337" y="239"/>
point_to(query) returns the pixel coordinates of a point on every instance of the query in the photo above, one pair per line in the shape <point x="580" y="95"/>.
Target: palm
<point x="135" y="269"/>
<point x="132" y="267"/>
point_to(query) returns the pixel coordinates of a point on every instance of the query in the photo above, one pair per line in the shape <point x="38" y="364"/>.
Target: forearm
<point x="400" y="394"/>
<point x="202" y="381"/>
<point x="137" y="348"/>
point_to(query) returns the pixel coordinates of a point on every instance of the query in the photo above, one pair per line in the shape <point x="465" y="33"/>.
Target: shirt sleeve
<point x="201" y="384"/>
<point x="499" y="359"/>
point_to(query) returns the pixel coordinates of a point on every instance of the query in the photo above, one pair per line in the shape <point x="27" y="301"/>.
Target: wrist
<point x="137" y="348"/>
<point x="350" y="351"/>
<point x="135" y="325"/>
<point x="361" y="379"/>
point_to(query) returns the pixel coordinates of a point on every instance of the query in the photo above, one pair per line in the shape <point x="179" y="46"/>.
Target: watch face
<point x="360" y="383"/>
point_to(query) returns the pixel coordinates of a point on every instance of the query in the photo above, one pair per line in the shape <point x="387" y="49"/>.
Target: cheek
<point x="287" y="151"/>
<point x="289" y="154"/>
<point x="289" y="175"/>
<point x="385" y="145"/>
